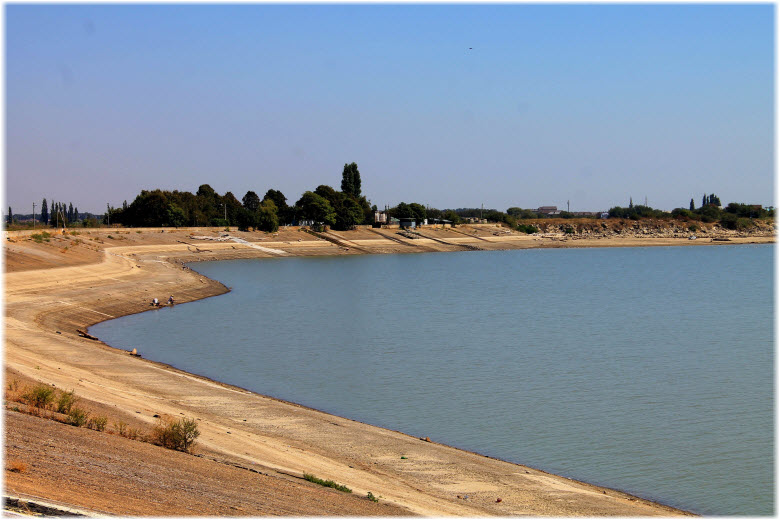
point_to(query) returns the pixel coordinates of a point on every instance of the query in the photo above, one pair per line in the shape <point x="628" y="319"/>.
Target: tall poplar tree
<point x="350" y="180"/>
<point x="44" y="212"/>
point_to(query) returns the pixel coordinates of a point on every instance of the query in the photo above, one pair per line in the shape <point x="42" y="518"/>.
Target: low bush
<point x="77" y="417"/>
<point x="527" y="228"/>
<point x="175" y="434"/>
<point x="40" y="396"/>
<point x="326" y="483"/>
<point x="371" y="497"/>
<point x="66" y="402"/>
<point x="97" y="423"/>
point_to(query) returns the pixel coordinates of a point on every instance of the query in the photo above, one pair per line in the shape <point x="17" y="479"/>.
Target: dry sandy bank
<point x="107" y="277"/>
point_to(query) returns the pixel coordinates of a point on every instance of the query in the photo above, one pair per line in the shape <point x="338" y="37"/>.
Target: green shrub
<point x="527" y="228"/>
<point x="77" y="417"/>
<point x="371" y="497"/>
<point x="121" y="428"/>
<point x="66" y="402"/>
<point x="97" y="423"/>
<point x="39" y="396"/>
<point x="326" y="483"/>
<point x="175" y="435"/>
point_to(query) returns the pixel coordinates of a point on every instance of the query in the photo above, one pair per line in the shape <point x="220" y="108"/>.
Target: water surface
<point x="648" y="370"/>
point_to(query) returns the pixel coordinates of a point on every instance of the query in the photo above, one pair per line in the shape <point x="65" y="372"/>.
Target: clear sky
<point x="446" y="105"/>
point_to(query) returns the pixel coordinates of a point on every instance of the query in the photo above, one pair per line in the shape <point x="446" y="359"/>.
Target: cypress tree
<point x="44" y="212"/>
<point x="10" y="216"/>
<point x="350" y="180"/>
<point x="692" y="207"/>
<point x="70" y="213"/>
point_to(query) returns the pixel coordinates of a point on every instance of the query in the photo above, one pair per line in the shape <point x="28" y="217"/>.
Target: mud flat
<point x="248" y="442"/>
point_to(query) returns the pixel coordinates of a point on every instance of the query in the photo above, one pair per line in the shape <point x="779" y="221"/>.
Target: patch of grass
<point x="371" y="497"/>
<point x="326" y="483"/>
<point x="40" y="237"/>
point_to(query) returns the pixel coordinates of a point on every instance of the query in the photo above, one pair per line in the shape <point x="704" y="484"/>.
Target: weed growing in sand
<point x="326" y="483"/>
<point x="371" y="497"/>
<point x="175" y="434"/>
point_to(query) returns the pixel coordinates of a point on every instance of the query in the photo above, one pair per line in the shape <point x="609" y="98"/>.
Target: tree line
<point x="345" y="209"/>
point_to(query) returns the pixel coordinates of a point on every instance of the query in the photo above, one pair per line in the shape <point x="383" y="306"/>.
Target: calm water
<point x="649" y="370"/>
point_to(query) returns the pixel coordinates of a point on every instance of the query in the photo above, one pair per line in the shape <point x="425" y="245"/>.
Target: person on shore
<point x="170" y="300"/>
<point x="155" y="302"/>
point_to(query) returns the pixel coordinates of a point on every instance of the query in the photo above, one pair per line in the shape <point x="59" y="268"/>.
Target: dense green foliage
<point x="326" y="483"/>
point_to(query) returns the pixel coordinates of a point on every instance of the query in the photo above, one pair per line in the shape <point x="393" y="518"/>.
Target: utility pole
<point x="33" y="215"/>
<point x="480" y="211"/>
<point x="567" y="207"/>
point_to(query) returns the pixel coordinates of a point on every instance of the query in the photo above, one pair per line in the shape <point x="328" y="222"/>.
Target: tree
<point x="283" y="211"/>
<point x="692" y="206"/>
<point x="76" y="213"/>
<point x="267" y="219"/>
<point x="251" y="201"/>
<point x="175" y="215"/>
<point x="317" y="208"/>
<point x="10" y="216"/>
<point x="348" y="214"/>
<point x="704" y="200"/>
<point x="630" y="202"/>
<point x="714" y="200"/>
<point x="44" y="212"/>
<point x="350" y="180"/>
<point x="70" y="212"/>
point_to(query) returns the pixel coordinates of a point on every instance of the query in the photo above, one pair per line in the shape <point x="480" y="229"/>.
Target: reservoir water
<point x="648" y="370"/>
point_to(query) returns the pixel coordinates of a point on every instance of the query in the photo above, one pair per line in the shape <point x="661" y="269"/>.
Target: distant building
<point x="548" y="210"/>
<point x="407" y="223"/>
<point x="380" y="217"/>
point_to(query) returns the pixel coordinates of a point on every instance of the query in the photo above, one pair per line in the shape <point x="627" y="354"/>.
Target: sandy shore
<point x="106" y="274"/>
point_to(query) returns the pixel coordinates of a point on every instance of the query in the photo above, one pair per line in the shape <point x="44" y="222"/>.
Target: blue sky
<point x="446" y="105"/>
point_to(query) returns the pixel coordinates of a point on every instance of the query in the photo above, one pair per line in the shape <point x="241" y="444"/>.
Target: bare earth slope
<point x="106" y="277"/>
